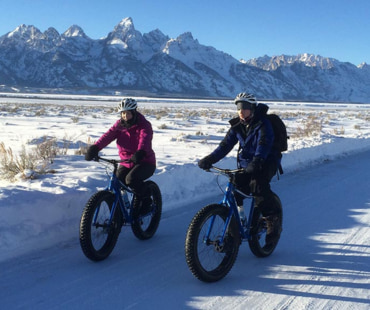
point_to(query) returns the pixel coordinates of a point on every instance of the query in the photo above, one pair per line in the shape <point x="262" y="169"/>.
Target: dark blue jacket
<point x="255" y="139"/>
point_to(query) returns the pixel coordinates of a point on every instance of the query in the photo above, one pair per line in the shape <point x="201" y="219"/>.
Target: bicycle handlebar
<point x="227" y="172"/>
<point x="113" y="161"/>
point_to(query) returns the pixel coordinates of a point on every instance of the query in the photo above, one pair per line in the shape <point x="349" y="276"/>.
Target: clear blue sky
<point x="244" y="29"/>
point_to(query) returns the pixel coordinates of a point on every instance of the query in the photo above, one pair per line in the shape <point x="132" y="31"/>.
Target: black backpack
<point x="280" y="133"/>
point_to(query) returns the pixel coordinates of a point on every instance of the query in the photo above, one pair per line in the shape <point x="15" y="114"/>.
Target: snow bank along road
<point x="322" y="261"/>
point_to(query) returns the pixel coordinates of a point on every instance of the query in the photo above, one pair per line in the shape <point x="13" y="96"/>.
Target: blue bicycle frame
<point x="116" y="186"/>
<point x="229" y="200"/>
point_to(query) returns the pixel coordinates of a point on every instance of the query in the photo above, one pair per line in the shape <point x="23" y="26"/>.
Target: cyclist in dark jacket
<point x="254" y="133"/>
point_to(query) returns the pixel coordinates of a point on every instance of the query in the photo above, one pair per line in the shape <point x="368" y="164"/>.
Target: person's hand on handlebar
<point x="206" y="162"/>
<point x="92" y="153"/>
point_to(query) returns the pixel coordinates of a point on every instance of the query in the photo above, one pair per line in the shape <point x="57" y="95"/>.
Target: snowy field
<point x="39" y="221"/>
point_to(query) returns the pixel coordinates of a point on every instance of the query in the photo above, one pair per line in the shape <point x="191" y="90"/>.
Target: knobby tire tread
<point x="137" y="224"/>
<point x="191" y="244"/>
<point x="256" y="244"/>
<point x="86" y="227"/>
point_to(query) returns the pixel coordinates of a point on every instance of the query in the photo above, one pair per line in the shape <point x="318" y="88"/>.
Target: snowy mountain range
<point x="129" y="62"/>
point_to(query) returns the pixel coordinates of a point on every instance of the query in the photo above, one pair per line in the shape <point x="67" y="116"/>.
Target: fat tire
<point x="257" y="240"/>
<point x="98" y="202"/>
<point x="144" y="227"/>
<point x="194" y="244"/>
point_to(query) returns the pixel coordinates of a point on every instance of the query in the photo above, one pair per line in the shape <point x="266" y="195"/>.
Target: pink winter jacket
<point x="129" y="140"/>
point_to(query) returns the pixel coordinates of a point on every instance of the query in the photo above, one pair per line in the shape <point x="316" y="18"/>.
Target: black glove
<point x="92" y="152"/>
<point x="254" y="166"/>
<point x="206" y="162"/>
<point x="238" y="178"/>
<point x="138" y="156"/>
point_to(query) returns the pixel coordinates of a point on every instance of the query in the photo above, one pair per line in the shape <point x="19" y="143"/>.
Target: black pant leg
<point x="264" y="197"/>
<point x="137" y="175"/>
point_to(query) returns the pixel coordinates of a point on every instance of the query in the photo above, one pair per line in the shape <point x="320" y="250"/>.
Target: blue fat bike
<point x="216" y="232"/>
<point x="108" y="210"/>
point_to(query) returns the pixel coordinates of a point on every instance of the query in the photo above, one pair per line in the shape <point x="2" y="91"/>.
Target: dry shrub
<point x="28" y="163"/>
<point x="312" y="126"/>
<point x="47" y="149"/>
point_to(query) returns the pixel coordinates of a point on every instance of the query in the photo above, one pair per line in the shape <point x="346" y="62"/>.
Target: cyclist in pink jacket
<point x="133" y="134"/>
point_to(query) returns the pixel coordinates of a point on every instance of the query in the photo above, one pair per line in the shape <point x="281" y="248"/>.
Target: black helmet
<point x="127" y="104"/>
<point x="245" y="101"/>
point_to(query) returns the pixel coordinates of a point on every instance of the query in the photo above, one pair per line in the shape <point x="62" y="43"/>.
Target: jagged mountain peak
<point x="363" y="65"/>
<point x="52" y="37"/>
<point x="157" y="35"/>
<point x="125" y="26"/>
<point x="126" y="32"/>
<point x="126" y="23"/>
<point x="51" y="31"/>
<point x="186" y="36"/>
<point x="183" y="43"/>
<point x="310" y="60"/>
<point x="74" y="31"/>
<point x="26" y="32"/>
<point x="155" y="39"/>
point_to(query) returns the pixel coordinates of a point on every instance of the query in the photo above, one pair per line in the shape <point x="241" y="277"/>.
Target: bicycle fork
<point x="244" y="230"/>
<point x="219" y="242"/>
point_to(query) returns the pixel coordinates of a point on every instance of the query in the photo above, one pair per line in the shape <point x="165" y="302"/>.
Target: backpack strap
<point x="280" y="169"/>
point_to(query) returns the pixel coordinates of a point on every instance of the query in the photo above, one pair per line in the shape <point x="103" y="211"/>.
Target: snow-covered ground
<point x="322" y="261"/>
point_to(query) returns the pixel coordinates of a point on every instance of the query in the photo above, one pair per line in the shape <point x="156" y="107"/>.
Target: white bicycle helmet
<point x="245" y="97"/>
<point x="127" y="104"/>
<point x="245" y="101"/>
